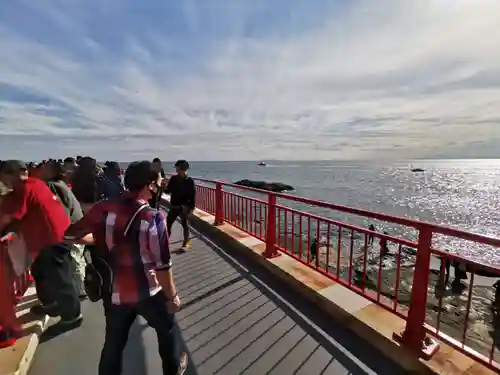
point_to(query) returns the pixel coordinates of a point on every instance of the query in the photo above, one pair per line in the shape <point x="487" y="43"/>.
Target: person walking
<point x="112" y="184"/>
<point x="132" y="239"/>
<point x="182" y="190"/>
<point x="87" y="183"/>
<point x="37" y="217"/>
<point x="156" y="198"/>
<point x="53" y="175"/>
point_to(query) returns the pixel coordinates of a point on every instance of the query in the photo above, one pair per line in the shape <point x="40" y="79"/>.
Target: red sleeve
<point x="89" y="223"/>
<point x="15" y="204"/>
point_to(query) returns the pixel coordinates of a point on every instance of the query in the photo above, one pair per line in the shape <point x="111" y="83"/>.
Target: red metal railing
<point x="12" y="289"/>
<point x="404" y="274"/>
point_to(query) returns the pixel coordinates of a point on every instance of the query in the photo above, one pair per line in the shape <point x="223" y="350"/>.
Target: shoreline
<point x="480" y="324"/>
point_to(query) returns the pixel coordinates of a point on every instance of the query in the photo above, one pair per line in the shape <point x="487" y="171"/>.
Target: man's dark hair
<point x="138" y="175"/>
<point x="182" y="164"/>
<point x="85" y="181"/>
<point x="157" y="160"/>
<point x="69" y="159"/>
<point x="57" y="171"/>
<point x="88" y="163"/>
<point x="112" y="167"/>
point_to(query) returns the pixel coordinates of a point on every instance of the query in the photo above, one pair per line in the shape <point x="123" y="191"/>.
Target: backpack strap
<point x="129" y="224"/>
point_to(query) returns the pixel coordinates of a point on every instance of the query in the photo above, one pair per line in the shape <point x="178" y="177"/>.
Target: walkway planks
<point x="233" y="322"/>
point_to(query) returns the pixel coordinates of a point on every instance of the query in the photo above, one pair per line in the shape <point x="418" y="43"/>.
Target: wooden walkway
<point x="232" y="322"/>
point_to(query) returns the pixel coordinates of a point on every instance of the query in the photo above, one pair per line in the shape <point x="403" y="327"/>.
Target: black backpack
<point x="99" y="273"/>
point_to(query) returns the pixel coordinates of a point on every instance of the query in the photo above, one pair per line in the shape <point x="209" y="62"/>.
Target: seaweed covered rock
<point x="276" y="187"/>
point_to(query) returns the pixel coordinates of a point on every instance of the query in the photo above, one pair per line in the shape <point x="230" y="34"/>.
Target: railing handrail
<point x="414" y="223"/>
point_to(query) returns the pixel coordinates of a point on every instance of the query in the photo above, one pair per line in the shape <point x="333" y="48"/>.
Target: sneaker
<point x="41" y="310"/>
<point x="71" y="321"/>
<point x="186" y="246"/>
<point x="183" y="364"/>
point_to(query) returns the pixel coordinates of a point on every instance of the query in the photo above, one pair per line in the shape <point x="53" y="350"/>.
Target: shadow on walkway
<point x="232" y="322"/>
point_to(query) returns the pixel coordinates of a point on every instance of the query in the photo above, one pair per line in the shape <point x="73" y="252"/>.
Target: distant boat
<point x="416" y="170"/>
<point x="262" y="164"/>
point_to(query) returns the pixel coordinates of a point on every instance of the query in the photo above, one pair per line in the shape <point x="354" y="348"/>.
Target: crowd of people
<point x="100" y="233"/>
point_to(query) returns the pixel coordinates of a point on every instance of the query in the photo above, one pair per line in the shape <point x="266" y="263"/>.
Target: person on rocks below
<point x="39" y="220"/>
<point x="182" y="192"/>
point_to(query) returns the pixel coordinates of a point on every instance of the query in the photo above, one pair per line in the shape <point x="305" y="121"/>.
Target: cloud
<point x="227" y="79"/>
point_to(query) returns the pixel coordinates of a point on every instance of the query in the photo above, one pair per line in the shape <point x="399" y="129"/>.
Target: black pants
<point x="172" y="215"/>
<point x="52" y="271"/>
<point x="119" y="319"/>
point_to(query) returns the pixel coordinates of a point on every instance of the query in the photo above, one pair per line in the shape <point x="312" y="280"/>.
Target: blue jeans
<point x="119" y="320"/>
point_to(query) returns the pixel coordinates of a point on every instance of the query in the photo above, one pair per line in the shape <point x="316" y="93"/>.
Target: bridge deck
<point x="232" y="322"/>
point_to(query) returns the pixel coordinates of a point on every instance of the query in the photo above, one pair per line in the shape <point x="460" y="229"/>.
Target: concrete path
<point x="232" y="322"/>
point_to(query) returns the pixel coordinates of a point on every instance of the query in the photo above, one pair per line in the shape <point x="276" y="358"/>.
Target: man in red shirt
<point x="35" y="213"/>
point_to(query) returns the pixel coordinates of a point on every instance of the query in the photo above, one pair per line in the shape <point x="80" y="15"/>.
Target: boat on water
<point x="262" y="164"/>
<point x="416" y="170"/>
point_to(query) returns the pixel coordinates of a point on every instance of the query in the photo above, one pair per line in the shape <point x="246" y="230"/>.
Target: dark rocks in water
<point x="276" y="187"/>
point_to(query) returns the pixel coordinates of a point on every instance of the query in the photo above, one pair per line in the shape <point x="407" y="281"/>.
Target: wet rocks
<point x="276" y="187"/>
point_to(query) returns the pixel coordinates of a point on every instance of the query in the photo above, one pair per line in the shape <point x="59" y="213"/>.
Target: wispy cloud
<point x="228" y="79"/>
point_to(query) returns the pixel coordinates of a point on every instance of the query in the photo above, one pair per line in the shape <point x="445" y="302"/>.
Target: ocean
<point x="463" y="194"/>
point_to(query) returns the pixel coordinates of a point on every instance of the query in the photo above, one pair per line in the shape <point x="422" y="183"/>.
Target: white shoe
<point x="69" y="322"/>
<point x="183" y="364"/>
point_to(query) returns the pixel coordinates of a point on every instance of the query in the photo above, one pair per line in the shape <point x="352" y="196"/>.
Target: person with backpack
<point x="39" y="220"/>
<point x="131" y="269"/>
<point x="53" y="175"/>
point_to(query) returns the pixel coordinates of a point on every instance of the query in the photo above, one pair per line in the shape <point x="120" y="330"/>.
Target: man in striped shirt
<point x="143" y="283"/>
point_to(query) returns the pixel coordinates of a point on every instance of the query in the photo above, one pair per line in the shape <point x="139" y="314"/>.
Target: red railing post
<point x="414" y="334"/>
<point x="270" y="251"/>
<point x="219" y="204"/>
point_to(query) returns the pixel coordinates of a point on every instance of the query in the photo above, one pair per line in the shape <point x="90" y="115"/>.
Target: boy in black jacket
<point x="182" y="192"/>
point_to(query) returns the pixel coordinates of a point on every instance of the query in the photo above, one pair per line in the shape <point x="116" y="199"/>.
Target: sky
<point x="249" y="79"/>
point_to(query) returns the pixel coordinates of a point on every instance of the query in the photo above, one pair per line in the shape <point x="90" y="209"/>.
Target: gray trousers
<point x="78" y="267"/>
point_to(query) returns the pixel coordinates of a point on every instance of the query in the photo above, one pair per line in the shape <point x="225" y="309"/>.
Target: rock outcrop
<point x="276" y="187"/>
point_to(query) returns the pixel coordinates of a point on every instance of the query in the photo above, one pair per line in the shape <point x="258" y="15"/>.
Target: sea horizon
<point x="458" y="193"/>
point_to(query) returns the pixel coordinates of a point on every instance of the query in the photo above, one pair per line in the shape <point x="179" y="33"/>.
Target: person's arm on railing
<point x="159" y="246"/>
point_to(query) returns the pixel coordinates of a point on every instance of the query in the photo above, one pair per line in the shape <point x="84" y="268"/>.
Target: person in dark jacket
<point x="182" y="192"/>
<point x="87" y="184"/>
<point x="156" y="198"/>
<point x="158" y="167"/>
<point x="112" y="184"/>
